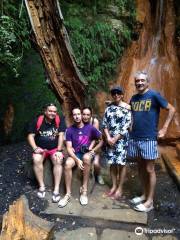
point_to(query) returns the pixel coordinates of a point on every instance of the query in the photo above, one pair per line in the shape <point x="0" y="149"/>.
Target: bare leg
<point x="70" y="163"/>
<point x="142" y="175"/>
<point x="38" y="169"/>
<point x="121" y="180"/>
<point x="87" y="167"/>
<point x="57" y="171"/>
<point x="151" y="182"/>
<point x="96" y="165"/>
<point x="113" y="173"/>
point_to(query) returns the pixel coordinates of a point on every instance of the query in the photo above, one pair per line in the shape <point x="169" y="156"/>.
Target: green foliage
<point x="21" y="72"/>
<point x="98" y="45"/>
<point x="14" y="37"/>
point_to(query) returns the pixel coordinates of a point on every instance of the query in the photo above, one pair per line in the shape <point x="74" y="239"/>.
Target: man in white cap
<point x="146" y="105"/>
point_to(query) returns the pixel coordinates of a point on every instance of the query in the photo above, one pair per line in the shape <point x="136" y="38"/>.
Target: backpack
<point x="41" y="118"/>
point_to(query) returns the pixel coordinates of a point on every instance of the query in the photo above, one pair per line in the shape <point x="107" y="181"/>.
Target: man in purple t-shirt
<point x="78" y="139"/>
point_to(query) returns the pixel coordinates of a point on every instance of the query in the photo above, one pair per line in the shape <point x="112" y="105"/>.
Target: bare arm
<point x="98" y="146"/>
<point x="32" y="143"/>
<point x="171" y="112"/>
<point x="60" y="141"/>
<point x="96" y="123"/>
<point x="108" y="137"/>
<point x="31" y="140"/>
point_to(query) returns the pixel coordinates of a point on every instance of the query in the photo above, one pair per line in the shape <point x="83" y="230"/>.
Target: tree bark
<point x="56" y="52"/>
<point x="20" y="223"/>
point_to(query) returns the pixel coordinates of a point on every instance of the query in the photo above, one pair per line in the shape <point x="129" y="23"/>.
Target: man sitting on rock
<point x="45" y="136"/>
<point x="78" y="139"/>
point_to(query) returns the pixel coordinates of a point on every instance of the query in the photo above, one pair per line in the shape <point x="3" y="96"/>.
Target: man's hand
<point x="38" y="150"/>
<point x="80" y="164"/>
<point x="162" y="132"/>
<point x="59" y="155"/>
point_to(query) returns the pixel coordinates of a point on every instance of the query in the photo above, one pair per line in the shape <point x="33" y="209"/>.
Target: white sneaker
<point x="137" y="200"/>
<point x="83" y="199"/>
<point x="64" y="201"/>
<point x="142" y="208"/>
<point x="83" y="196"/>
<point x="100" y="180"/>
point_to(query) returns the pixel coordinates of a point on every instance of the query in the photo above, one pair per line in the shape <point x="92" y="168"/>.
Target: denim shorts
<point x="79" y="155"/>
<point x="145" y="149"/>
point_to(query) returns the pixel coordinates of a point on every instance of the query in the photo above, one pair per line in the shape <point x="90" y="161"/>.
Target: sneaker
<point x="83" y="199"/>
<point x="137" y="200"/>
<point x="83" y="196"/>
<point x="41" y="193"/>
<point x="100" y="180"/>
<point x="64" y="201"/>
<point x="142" y="208"/>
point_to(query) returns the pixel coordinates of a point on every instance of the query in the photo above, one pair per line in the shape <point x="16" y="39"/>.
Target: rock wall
<point x="153" y="51"/>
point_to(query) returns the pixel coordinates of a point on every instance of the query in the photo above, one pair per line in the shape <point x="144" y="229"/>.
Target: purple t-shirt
<point x="81" y="136"/>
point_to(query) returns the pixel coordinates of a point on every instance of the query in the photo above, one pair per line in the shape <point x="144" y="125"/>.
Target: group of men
<point x="129" y="131"/>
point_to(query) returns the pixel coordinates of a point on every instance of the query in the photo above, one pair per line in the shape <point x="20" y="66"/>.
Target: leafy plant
<point x="97" y="45"/>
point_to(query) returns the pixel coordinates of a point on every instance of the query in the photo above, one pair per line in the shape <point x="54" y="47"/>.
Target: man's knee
<point x="57" y="161"/>
<point x="150" y="166"/>
<point x="69" y="164"/>
<point x="37" y="159"/>
<point x="87" y="159"/>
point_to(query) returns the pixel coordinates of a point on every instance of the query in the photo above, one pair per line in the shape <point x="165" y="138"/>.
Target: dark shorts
<point x="80" y="156"/>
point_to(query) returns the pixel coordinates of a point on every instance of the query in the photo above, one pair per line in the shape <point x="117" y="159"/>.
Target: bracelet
<point x="35" y="149"/>
<point x="59" y="151"/>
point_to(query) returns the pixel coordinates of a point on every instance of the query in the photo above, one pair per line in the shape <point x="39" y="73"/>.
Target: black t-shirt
<point x="47" y="136"/>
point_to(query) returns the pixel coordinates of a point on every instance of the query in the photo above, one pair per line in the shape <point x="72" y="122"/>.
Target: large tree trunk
<point x="55" y="49"/>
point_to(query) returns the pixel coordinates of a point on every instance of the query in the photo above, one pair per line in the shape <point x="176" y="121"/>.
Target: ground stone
<point x="167" y="237"/>
<point x="109" y="234"/>
<point x="78" y="234"/>
<point x="100" y="207"/>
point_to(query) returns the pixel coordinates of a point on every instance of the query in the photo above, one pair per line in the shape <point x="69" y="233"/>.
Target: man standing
<point x="78" y="139"/>
<point x="145" y="107"/>
<point x="45" y="136"/>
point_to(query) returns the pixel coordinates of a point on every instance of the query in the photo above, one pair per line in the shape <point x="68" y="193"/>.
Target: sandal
<point x="83" y="196"/>
<point x="110" y="193"/>
<point x="142" y="208"/>
<point x="55" y="197"/>
<point x="64" y="201"/>
<point x="137" y="200"/>
<point x="41" y="193"/>
<point x="117" y="197"/>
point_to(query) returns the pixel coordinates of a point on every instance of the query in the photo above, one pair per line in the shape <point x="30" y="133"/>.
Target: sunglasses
<point x="116" y="93"/>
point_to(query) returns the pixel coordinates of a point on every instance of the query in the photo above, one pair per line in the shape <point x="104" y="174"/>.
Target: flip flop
<point x="55" y="197"/>
<point x="109" y="193"/>
<point x="118" y="198"/>
<point x="41" y="194"/>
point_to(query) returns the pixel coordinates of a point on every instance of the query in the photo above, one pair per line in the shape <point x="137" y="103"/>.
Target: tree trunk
<point x="56" y="52"/>
<point x="20" y="223"/>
